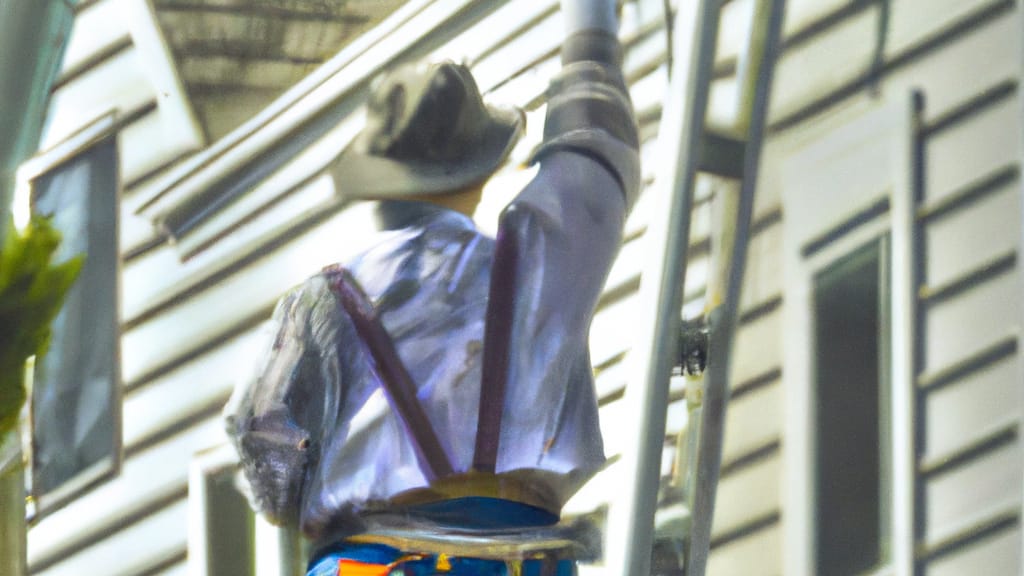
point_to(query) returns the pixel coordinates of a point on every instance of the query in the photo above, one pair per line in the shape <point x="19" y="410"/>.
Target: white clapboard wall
<point x="189" y="326"/>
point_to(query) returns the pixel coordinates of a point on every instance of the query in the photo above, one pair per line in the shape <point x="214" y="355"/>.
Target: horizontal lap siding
<point x="974" y="235"/>
<point x="953" y="414"/>
<point x="746" y="535"/>
<point x="105" y="69"/>
<point x="192" y="326"/>
<point x="968" y="425"/>
<point x="759" y="554"/>
<point x="202" y="317"/>
<point x="966" y="495"/>
<point x="117" y="83"/>
<point x="960" y="326"/>
<point x="193" y="388"/>
<point x="137" y="520"/>
<point x="757" y="348"/>
<point x="123" y="81"/>
<point x="754" y="421"/>
<point x="747" y="495"/>
<point x="808" y="71"/>
<point x="956" y="415"/>
<point x="178" y="569"/>
<point x="999" y="554"/>
<point x="967" y="151"/>
<point x="150" y="480"/>
<point x="970" y="452"/>
<point x="961" y="414"/>
<point x="122" y="554"/>
<point x="764" y="262"/>
<point x="96" y="29"/>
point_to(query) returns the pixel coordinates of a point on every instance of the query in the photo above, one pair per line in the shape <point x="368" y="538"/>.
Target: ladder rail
<point x="630" y="530"/>
<point x="766" y="33"/>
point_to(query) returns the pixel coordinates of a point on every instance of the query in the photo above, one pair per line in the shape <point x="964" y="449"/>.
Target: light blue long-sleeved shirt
<point x="319" y="442"/>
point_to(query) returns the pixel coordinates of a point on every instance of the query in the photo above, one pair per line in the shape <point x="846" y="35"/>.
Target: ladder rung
<point x="721" y="155"/>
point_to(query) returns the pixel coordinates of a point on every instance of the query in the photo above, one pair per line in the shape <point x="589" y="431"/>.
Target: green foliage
<point x="32" y="290"/>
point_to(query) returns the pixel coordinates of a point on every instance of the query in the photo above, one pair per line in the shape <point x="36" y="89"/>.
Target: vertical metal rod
<point x="579" y="15"/>
<point x="1020" y="251"/>
<point x="904" y="270"/>
<point x="33" y="36"/>
<point x="32" y="39"/>
<point x="631" y="517"/>
<point x="723" y="326"/>
<point x="278" y="550"/>
<point x="12" y="506"/>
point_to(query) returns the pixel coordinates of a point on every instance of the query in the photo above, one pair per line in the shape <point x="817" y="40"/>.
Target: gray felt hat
<point x="427" y="131"/>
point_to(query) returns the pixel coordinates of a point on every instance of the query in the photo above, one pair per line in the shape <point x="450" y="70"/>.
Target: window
<point x="222" y="525"/>
<point x="75" y="402"/>
<point x="848" y="374"/>
<point x="850" y="337"/>
<point x="225" y="537"/>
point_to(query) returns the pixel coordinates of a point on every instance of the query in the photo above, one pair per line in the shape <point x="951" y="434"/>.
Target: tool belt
<point x="355" y="559"/>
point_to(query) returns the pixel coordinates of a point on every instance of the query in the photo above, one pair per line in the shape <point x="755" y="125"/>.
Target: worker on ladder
<point x="429" y="407"/>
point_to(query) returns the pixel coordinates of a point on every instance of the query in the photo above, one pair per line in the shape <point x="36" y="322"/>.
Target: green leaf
<point x="32" y="290"/>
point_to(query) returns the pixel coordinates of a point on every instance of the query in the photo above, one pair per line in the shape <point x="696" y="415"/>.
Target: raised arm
<point x="556" y="243"/>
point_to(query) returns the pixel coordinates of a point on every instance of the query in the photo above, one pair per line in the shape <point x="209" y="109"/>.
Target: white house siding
<point x="114" y="61"/>
<point x="964" y="58"/>
<point x="189" y="327"/>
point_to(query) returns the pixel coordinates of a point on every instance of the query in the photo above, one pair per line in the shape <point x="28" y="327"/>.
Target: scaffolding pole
<point x="631" y="516"/>
<point x="763" y="47"/>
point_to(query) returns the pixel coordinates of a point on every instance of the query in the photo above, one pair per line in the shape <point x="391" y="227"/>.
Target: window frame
<point x="205" y="467"/>
<point x="276" y="551"/>
<point x="817" y="234"/>
<point x="99" y="130"/>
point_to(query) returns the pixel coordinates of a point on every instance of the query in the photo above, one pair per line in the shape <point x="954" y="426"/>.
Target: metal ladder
<point x="687" y="147"/>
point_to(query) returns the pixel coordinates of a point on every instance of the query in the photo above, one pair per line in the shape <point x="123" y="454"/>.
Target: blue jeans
<point x="427" y="565"/>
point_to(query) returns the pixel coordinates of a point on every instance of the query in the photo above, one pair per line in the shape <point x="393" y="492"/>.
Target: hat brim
<point x="362" y="176"/>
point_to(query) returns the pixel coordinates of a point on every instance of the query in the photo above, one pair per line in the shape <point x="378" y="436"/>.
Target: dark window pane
<point x="848" y="335"/>
<point x="75" y="400"/>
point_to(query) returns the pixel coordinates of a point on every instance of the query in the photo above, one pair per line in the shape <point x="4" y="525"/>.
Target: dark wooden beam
<point x="315" y="13"/>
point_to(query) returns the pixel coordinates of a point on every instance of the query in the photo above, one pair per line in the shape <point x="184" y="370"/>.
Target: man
<point x="429" y="407"/>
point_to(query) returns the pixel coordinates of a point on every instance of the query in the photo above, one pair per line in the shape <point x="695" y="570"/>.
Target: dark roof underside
<point x="236" y="56"/>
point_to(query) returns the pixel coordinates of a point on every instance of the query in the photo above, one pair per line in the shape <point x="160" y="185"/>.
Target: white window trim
<point x="204" y="464"/>
<point x="41" y="164"/>
<point x="892" y="125"/>
<point x="277" y="550"/>
<point x="159" y="65"/>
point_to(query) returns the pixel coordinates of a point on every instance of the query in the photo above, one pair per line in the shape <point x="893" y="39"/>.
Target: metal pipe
<point x="278" y="550"/>
<point x="631" y="517"/>
<point x="12" y="506"/>
<point x="751" y="63"/>
<point x="1020" y="258"/>
<point x="580" y="15"/>
<point x="32" y="39"/>
<point x="767" y="26"/>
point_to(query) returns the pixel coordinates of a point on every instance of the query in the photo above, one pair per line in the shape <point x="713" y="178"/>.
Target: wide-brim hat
<point x="427" y="131"/>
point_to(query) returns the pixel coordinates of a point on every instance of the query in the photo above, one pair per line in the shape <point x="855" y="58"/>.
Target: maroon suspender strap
<point x="497" y="338"/>
<point x="398" y="384"/>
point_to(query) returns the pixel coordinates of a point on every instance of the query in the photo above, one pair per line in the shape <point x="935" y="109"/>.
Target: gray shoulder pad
<point x="589" y="111"/>
<point x="620" y="158"/>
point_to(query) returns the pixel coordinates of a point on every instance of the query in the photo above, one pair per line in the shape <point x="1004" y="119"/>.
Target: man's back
<point x="442" y="377"/>
<point x="428" y="279"/>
